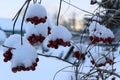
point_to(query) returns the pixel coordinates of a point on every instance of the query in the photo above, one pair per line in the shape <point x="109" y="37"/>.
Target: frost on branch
<point x="99" y="33"/>
<point x="59" y="36"/>
<point x="79" y="51"/>
<point x="22" y="57"/>
<point x="36" y="14"/>
<point x="38" y="33"/>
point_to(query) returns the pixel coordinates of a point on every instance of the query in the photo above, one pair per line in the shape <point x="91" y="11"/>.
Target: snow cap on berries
<point x="23" y="55"/>
<point x="94" y="26"/>
<point x="80" y="47"/>
<point x="98" y="33"/>
<point x="102" y="58"/>
<point x="38" y="29"/>
<point x="36" y="10"/>
<point x="38" y="33"/>
<point x="96" y="18"/>
<point x="14" y="39"/>
<point x="60" y="32"/>
<point x="36" y="14"/>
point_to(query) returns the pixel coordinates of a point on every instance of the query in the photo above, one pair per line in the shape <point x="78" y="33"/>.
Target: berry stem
<point x="23" y="21"/>
<point x="59" y="12"/>
<point x="16" y="16"/>
<point x="8" y="47"/>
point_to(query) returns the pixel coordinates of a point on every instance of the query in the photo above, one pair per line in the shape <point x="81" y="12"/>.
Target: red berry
<point x="49" y="30"/>
<point x="37" y="59"/>
<point x="92" y="61"/>
<point x="77" y="55"/>
<point x="14" y="69"/>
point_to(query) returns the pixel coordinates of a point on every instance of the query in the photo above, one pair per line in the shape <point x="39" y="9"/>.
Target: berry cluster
<point x="22" y="67"/>
<point x="108" y="60"/>
<point x="79" y="56"/>
<point x="95" y="39"/>
<point x="34" y="39"/>
<point x="36" y="20"/>
<point x="57" y="42"/>
<point x="99" y="33"/>
<point x="7" y="55"/>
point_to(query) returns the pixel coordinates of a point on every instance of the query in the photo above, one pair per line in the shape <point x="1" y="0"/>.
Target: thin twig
<point x="23" y="21"/>
<point x="60" y="71"/>
<point x="108" y="71"/>
<point x="59" y="12"/>
<point x="8" y="47"/>
<point x="16" y="16"/>
<point x="56" y="58"/>
<point x="77" y="7"/>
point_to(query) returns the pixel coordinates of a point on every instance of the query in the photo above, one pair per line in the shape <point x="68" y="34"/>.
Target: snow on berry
<point x="36" y="14"/>
<point x="79" y="51"/>
<point x="98" y="33"/>
<point x="93" y="2"/>
<point x="101" y="59"/>
<point x="59" y="36"/>
<point x="38" y="33"/>
<point x="96" y="18"/>
<point x="13" y="39"/>
<point x="22" y="57"/>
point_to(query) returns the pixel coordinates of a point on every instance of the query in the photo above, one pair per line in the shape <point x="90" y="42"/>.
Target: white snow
<point x="100" y="31"/>
<point x="36" y="10"/>
<point x="96" y="18"/>
<point x="23" y="55"/>
<point x="41" y="28"/>
<point x="60" y="32"/>
<point x="12" y="40"/>
<point x="99" y="59"/>
<point x="80" y="47"/>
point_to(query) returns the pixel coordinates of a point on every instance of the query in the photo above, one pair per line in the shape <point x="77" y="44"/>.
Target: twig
<point x="59" y="12"/>
<point x="60" y="71"/>
<point x="8" y="47"/>
<point x="56" y="58"/>
<point x="108" y="71"/>
<point x="16" y="16"/>
<point x="23" y="21"/>
<point x="77" y="7"/>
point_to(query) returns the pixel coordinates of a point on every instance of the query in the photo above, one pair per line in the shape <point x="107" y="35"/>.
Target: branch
<point x="110" y="72"/>
<point x="56" y="58"/>
<point x="59" y="12"/>
<point x="77" y="7"/>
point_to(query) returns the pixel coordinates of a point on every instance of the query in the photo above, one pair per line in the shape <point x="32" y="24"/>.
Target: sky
<point x="10" y="7"/>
